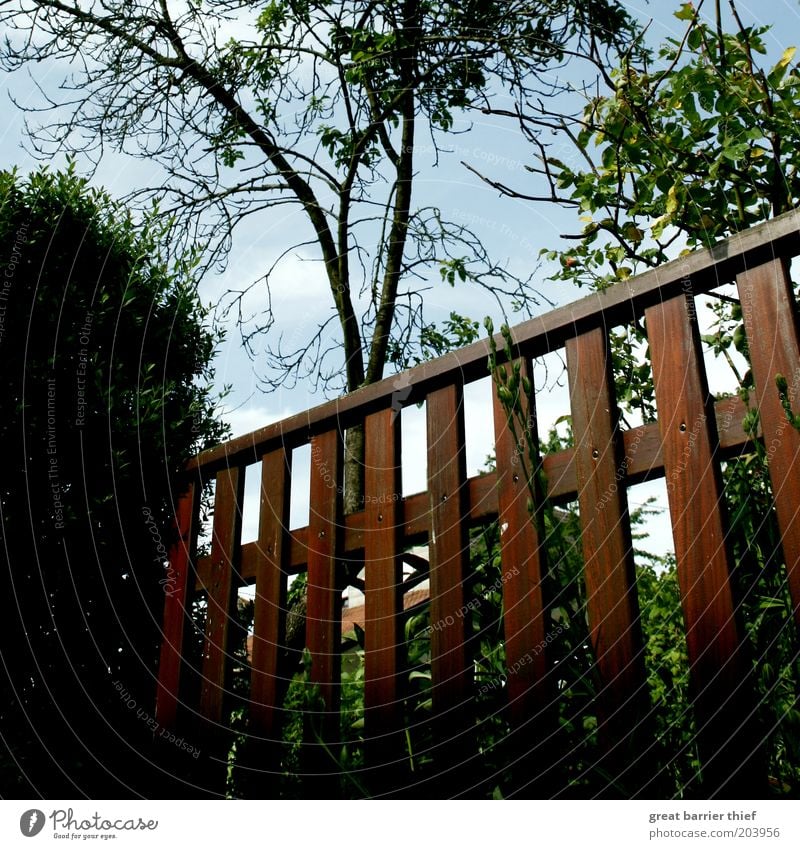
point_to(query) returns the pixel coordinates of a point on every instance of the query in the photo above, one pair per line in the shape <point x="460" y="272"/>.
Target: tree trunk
<point x="354" y="470"/>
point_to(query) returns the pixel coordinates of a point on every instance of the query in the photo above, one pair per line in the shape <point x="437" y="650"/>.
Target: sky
<point x="514" y="230"/>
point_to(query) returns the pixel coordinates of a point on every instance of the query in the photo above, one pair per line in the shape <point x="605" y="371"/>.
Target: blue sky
<point x="514" y="230"/>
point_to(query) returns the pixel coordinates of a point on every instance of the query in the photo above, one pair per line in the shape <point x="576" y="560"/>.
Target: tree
<point x="318" y="105"/>
<point x="686" y="148"/>
<point x="678" y="154"/>
<point x="105" y="387"/>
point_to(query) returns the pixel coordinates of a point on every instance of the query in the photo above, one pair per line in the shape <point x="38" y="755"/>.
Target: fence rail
<point x="694" y="434"/>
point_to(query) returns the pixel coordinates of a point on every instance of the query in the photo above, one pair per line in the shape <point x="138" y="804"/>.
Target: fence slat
<point x="225" y="550"/>
<point x="323" y="616"/>
<point x="524" y="623"/>
<point x="449" y="550"/>
<point x="609" y="568"/>
<point x="532" y="745"/>
<point x="722" y="697"/>
<point x="451" y="670"/>
<point x="269" y="617"/>
<point x="383" y="578"/>
<point x="770" y="317"/>
<point x="176" y="601"/>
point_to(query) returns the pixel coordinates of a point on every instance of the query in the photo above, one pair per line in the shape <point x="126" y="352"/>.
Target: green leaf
<point x="786" y="57"/>
<point x="672" y="201"/>
<point x="695" y="38"/>
<point x="657" y="227"/>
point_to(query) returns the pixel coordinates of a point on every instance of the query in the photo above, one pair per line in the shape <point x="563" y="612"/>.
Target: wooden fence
<point x="693" y="435"/>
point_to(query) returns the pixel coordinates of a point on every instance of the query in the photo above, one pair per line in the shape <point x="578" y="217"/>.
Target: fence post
<point x="383" y="584"/>
<point x="269" y="673"/>
<point x="531" y="691"/>
<point x="324" y="605"/>
<point x="770" y="318"/>
<point x="719" y="668"/>
<point x="177" y="601"/>
<point x="451" y="668"/>
<point x="609" y="568"/>
<point x="222" y="592"/>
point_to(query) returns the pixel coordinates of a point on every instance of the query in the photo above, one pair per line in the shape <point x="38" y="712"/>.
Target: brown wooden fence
<point x="693" y="435"/>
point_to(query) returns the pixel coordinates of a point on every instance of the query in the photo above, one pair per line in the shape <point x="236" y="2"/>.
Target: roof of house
<point x="357" y="615"/>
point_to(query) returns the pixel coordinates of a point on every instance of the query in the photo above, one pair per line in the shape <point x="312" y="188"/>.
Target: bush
<point x="106" y="356"/>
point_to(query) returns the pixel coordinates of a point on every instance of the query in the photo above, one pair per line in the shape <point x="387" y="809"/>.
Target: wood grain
<point x="323" y="617"/>
<point x="770" y="317"/>
<point x="609" y="568"/>
<point x="449" y="549"/>
<point x="176" y="599"/>
<point x="269" y="619"/>
<point x="222" y="588"/>
<point x="719" y="669"/>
